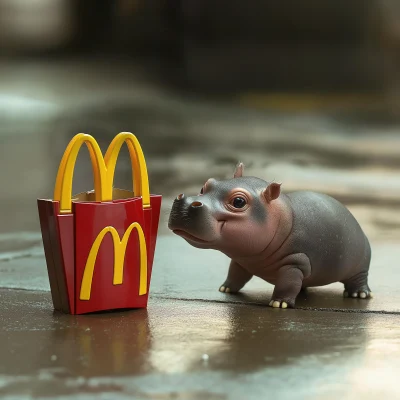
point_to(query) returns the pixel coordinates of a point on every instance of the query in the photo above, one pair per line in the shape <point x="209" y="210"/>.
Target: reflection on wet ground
<point x="149" y="352"/>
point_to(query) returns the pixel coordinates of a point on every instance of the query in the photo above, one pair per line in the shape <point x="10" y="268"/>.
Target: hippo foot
<point x="226" y="289"/>
<point x="360" y="294"/>
<point x="280" y="304"/>
<point x="357" y="287"/>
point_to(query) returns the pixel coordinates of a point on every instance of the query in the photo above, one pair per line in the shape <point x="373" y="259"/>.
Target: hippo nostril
<point x="196" y="204"/>
<point x="180" y="196"/>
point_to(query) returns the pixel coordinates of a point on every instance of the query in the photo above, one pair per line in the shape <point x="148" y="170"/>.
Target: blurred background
<point x="303" y="92"/>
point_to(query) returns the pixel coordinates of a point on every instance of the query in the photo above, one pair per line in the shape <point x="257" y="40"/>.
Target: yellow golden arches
<point x="139" y="168"/>
<point x="119" y="257"/>
<point x="103" y="169"/>
<point x="63" y="187"/>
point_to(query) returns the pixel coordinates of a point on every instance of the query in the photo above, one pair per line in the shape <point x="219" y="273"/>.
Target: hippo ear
<point x="239" y="171"/>
<point x="272" y="191"/>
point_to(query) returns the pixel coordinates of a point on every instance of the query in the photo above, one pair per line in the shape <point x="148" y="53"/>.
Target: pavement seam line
<point x="342" y="310"/>
<point x="320" y="309"/>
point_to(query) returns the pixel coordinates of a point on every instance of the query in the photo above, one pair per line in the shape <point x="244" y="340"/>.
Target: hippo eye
<point x="239" y="202"/>
<point x="202" y="190"/>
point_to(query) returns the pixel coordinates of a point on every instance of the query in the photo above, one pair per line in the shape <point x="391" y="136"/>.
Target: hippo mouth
<point x="188" y="236"/>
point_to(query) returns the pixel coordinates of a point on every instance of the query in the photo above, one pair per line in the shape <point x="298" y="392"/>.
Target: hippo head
<point x="236" y="216"/>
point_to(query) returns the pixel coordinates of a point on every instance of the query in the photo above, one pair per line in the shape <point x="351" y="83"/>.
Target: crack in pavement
<point x="257" y="304"/>
<point x="325" y="309"/>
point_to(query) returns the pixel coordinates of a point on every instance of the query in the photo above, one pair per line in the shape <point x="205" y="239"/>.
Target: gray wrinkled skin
<point x="292" y="241"/>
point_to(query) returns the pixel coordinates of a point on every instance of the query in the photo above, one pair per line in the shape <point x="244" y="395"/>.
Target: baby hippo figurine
<point x="293" y="241"/>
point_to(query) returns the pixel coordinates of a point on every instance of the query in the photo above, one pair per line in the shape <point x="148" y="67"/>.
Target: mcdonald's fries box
<point x="99" y="245"/>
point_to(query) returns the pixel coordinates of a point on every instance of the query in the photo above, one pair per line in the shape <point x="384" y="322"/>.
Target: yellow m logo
<point x="119" y="257"/>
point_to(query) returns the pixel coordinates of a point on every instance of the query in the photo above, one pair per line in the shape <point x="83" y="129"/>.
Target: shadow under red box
<point x="68" y="238"/>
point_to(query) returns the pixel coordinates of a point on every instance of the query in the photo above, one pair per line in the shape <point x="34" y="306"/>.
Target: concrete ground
<point x="193" y="342"/>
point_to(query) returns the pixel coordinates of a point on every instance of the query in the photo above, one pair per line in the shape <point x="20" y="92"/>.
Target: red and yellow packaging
<point x="99" y="245"/>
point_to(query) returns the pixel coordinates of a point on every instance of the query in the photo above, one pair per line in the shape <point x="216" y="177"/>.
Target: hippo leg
<point x="290" y="281"/>
<point x="357" y="286"/>
<point x="236" y="279"/>
<point x="287" y="287"/>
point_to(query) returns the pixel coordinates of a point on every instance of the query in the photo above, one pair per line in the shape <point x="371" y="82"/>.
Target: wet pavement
<point x="193" y="342"/>
<point x="194" y="350"/>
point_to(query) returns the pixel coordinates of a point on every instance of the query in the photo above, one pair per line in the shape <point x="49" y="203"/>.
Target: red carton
<point x="99" y="245"/>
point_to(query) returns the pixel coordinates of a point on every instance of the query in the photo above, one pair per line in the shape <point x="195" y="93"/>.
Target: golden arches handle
<point x="138" y="163"/>
<point x="103" y="169"/>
